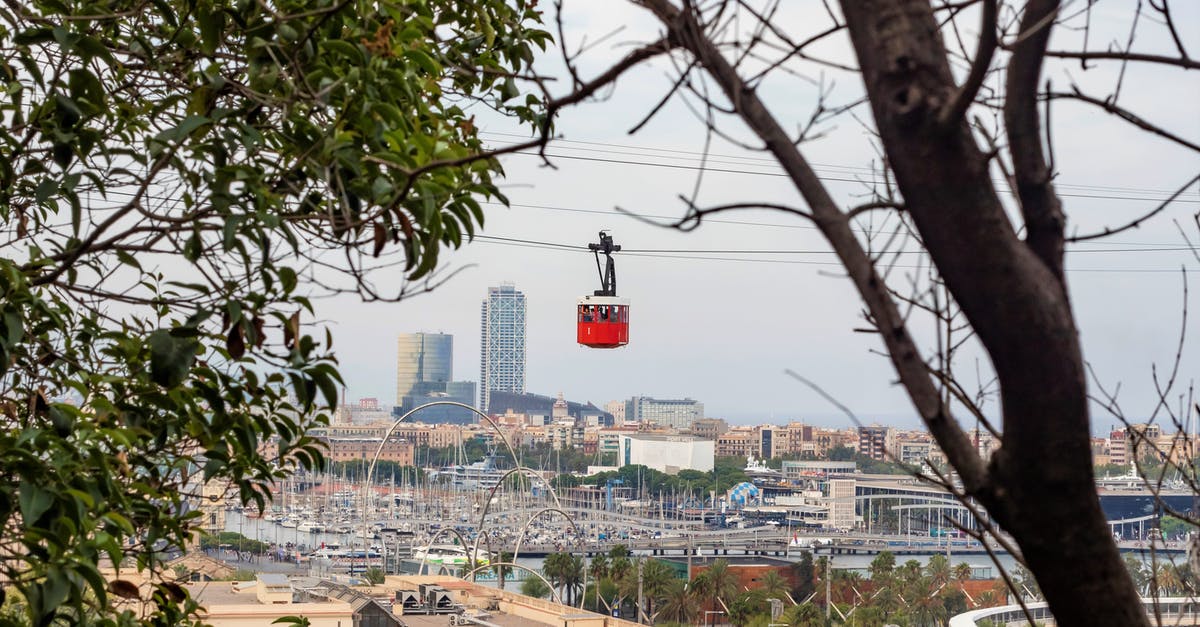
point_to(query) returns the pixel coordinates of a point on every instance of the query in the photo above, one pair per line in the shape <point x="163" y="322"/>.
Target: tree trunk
<point x="1040" y="485"/>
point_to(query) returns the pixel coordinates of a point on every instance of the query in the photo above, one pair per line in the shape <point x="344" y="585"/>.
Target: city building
<point x="666" y="453"/>
<point x="766" y="442"/>
<point x="674" y="413"/>
<point x="915" y="448"/>
<point x="424" y="363"/>
<point x="737" y="442"/>
<point x="364" y="449"/>
<point x="366" y="411"/>
<point x="842" y="503"/>
<point x="501" y="343"/>
<point x="709" y="428"/>
<point x="617" y="409"/>
<point x="875" y="441"/>
<point x="797" y="471"/>
<point x="424" y="372"/>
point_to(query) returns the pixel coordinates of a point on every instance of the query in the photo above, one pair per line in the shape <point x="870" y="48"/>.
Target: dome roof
<point x="743" y="493"/>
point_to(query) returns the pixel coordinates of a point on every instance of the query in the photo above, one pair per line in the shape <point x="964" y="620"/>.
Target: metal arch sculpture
<point x="578" y="534"/>
<point x="535" y="516"/>
<point x="492" y="495"/>
<point x="527" y="569"/>
<point x="392" y="429"/>
<point x="487" y="506"/>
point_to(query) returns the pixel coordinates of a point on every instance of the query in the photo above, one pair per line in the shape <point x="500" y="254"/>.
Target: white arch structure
<point x="487" y="506"/>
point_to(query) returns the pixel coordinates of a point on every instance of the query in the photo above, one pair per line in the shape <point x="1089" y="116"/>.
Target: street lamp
<point x="708" y="613"/>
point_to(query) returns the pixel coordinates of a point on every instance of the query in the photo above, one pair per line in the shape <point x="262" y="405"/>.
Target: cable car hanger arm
<point x="608" y="276"/>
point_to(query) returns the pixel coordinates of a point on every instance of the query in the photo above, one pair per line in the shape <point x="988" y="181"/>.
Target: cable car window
<point x="604" y="313"/>
<point x="586" y="313"/>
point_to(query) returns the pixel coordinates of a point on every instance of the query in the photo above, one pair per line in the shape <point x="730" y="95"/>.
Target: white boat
<point x="481" y="475"/>
<point x="448" y="554"/>
<point x="309" y="526"/>
<point x="288" y="522"/>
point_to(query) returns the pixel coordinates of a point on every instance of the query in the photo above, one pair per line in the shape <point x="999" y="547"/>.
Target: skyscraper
<point x="501" y="343"/>
<point x="424" y="364"/>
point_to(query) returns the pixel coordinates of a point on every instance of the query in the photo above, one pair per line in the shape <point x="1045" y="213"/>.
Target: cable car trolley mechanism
<point x="603" y="319"/>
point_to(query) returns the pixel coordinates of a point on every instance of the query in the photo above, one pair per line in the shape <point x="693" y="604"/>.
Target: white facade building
<point x="502" y="343"/>
<point x="667" y="453"/>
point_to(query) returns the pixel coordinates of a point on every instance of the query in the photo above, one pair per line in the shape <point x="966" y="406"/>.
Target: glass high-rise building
<point x="424" y="363"/>
<point x="502" y="343"/>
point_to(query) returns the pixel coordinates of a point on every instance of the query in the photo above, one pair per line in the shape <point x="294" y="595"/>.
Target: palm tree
<point x="572" y="577"/>
<point x="926" y="606"/>
<point x="1168" y="578"/>
<point x="882" y="567"/>
<point x="747" y="605"/>
<point x="555" y="567"/>
<point x="718" y="583"/>
<point x="774" y="585"/>
<point x="938" y="569"/>
<point x="962" y="572"/>
<point x="803" y="615"/>
<point x="599" y="568"/>
<point x="677" y="604"/>
<point x="502" y="569"/>
<point x="656" y="578"/>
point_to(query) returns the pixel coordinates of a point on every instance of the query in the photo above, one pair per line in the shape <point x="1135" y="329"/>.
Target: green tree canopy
<point x="178" y="179"/>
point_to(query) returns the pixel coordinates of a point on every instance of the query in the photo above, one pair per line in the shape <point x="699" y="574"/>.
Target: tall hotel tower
<point x="501" y="343"/>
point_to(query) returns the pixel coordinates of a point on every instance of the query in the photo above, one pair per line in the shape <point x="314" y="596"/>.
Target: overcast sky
<point x="719" y="324"/>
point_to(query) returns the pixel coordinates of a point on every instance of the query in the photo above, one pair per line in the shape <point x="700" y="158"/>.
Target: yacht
<point x="448" y="554"/>
<point x="480" y="475"/>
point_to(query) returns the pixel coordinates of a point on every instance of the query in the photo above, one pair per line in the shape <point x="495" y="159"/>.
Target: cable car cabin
<point x="603" y="321"/>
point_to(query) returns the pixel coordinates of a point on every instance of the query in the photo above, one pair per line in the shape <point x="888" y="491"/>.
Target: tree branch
<point x="1040" y="206"/>
<point x="835" y="225"/>
<point x="1138" y="222"/>
<point x="1111" y="107"/>
<point x="1183" y="62"/>
<point x="983" y="60"/>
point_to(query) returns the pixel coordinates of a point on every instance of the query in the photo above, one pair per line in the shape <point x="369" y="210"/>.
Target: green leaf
<point x="422" y="59"/>
<point x="171" y="358"/>
<point x="34" y="501"/>
<point x="212" y="27"/>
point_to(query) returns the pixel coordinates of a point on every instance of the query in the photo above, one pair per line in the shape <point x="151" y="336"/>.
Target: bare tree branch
<point x="979" y="68"/>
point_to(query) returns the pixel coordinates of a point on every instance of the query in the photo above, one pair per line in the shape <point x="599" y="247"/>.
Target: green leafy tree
<point x="180" y="178"/>
<point x="804" y="615"/>
<point x="805" y="577"/>
<point x="374" y="575"/>
<point x="536" y="588"/>
<point x="748" y="605"/>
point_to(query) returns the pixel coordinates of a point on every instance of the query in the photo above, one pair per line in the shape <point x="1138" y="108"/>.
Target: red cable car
<point x="602" y="318"/>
